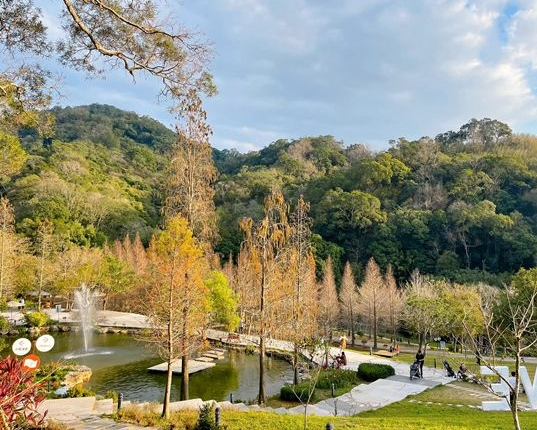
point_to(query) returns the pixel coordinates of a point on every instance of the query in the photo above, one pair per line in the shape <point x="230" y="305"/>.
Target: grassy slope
<point x="405" y="415"/>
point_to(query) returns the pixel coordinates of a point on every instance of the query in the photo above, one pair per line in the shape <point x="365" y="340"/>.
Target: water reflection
<point x="120" y="363"/>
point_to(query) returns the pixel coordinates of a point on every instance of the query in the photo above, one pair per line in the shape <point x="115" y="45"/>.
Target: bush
<point x="206" y="419"/>
<point x="339" y="377"/>
<point x="18" y="387"/>
<point x="4" y="323"/>
<point x="371" y="371"/>
<point x="3" y="304"/>
<point x="111" y="394"/>
<point x="294" y="393"/>
<point x="79" y="391"/>
<point x="37" y="319"/>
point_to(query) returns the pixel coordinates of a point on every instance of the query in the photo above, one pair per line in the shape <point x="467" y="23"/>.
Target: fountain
<point x="85" y="301"/>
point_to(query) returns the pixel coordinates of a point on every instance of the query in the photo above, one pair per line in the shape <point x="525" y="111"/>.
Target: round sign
<point x="21" y="346"/>
<point x="44" y="343"/>
<point x="31" y="362"/>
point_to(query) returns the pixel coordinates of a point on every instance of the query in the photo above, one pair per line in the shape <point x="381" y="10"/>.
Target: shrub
<point x="18" y="387"/>
<point x="79" y="391"/>
<point x="293" y="393"/>
<point x="339" y="377"/>
<point x="3" y="304"/>
<point x="111" y="394"/>
<point x="37" y="319"/>
<point x="4" y="323"/>
<point x="206" y="419"/>
<point x="371" y="371"/>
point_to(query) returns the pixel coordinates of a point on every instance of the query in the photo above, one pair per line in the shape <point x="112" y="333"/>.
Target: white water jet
<point x="85" y="300"/>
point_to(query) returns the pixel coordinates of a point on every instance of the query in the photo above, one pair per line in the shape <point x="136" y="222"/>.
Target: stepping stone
<point x="194" y="366"/>
<point x="216" y="351"/>
<point x="204" y="359"/>
<point x="192" y="404"/>
<point x="222" y="350"/>
<point x="324" y="405"/>
<point x="105" y="406"/>
<point x="241" y="407"/>
<point x="75" y="406"/>
<point x="212" y="355"/>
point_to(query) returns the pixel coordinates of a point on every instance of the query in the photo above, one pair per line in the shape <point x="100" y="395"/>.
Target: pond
<point x="120" y="363"/>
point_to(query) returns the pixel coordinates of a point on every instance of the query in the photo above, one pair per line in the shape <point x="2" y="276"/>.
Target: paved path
<point x="85" y="413"/>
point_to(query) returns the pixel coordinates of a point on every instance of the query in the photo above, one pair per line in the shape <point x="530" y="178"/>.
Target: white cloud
<point x="360" y="69"/>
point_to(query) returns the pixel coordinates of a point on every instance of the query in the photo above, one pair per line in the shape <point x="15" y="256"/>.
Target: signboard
<point x="31" y="362"/>
<point x="21" y="346"/>
<point x="504" y="387"/>
<point x="44" y="343"/>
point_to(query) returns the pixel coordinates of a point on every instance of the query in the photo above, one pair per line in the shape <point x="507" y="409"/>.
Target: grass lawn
<point x="455" y="360"/>
<point x="412" y="413"/>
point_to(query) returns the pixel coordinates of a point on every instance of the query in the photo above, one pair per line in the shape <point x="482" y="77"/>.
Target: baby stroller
<point x="449" y="370"/>
<point x="415" y="370"/>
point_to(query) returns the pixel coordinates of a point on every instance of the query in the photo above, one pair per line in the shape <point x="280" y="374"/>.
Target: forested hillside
<point x="98" y="179"/>
<point x="461" y="205"/>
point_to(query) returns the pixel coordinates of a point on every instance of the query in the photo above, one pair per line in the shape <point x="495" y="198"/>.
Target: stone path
<point x="84" y="414"/>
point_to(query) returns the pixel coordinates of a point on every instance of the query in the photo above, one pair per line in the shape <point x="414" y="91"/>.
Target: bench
<point x="384" y="353"/>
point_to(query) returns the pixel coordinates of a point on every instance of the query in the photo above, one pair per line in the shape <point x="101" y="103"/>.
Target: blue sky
<point x="361" y="70"/>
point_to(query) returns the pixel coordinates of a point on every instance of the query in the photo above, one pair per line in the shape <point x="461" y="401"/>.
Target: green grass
<point x="455" y="361"/>
<point x="408" y="414"/>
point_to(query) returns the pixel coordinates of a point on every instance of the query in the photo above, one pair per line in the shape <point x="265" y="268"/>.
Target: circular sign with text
<point x="44" y="343"/>
<point x="31" y="362"/>
<point x="21" y="346"/>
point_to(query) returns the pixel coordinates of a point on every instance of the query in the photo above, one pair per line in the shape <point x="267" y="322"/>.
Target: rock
<point x="13" y="332"/>
<point x="78" y="375"/>
<point x="69" y="328"/>
<point x="54" y="328"/>
<point x="62" y="391"/>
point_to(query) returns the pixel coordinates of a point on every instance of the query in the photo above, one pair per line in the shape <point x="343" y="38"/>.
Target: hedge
<point x="37" y="319"/>
<point x="371" y="371"/>
<point x="292" y="393"/>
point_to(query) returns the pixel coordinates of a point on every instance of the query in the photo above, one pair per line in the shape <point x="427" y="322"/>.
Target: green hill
<point x="462" y="205"/>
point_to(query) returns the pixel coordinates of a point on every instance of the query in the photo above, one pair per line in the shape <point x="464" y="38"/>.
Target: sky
<point x="364" y="71"/>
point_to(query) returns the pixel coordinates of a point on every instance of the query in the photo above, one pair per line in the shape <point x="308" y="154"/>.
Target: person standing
<point x="420" y="358"/>
<point x="343" y="342"/>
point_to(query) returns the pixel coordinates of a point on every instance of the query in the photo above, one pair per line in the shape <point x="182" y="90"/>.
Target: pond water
<point x="120" y="363"/>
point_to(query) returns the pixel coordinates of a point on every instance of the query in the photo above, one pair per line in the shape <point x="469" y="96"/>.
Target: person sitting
<point x="461" y="373"/>
<point x="343" y="359"/>
<point x="340" y="360"/>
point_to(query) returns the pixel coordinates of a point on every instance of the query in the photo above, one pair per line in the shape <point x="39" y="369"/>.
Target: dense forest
<point x="461" y="205"/>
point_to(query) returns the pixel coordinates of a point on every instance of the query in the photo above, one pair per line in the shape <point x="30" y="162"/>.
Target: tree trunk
<point x="375" y="346"/>
<point x="514" y="394"/>
<point x="185" y="377"/>
<point x="353" y="333"/>
<point x="261" y="398"/>
<point x="167" y="391"/>
<point x="295" y="365"/>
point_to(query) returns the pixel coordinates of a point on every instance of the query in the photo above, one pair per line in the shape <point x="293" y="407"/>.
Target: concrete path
<point x="361" y="398"/>
<point x="84" y="413"/>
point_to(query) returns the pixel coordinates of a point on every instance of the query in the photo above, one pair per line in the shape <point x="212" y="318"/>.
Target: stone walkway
<point x="361" y="398"/>
<point x="84" y="413"/>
